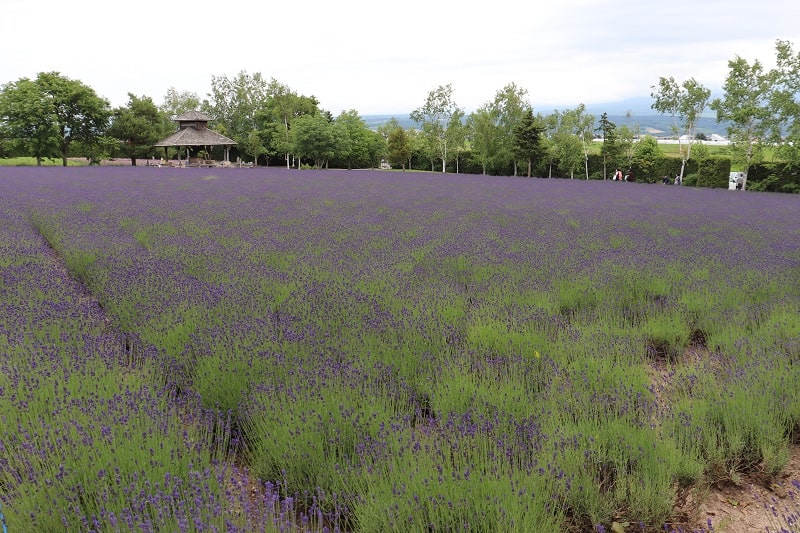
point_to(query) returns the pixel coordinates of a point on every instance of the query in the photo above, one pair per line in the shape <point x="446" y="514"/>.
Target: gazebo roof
<point x="193" y="116"/>
<point x="194" y="137"/>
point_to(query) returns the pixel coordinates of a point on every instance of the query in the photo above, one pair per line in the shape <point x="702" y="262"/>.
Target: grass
<point x="31" y="162"/>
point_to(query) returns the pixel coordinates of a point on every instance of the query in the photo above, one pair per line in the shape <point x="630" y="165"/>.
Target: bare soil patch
<point x="757" y="503"/>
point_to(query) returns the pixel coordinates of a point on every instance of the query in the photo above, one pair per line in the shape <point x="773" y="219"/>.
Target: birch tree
<point x="745" y="107"/>
<point x="685" y="103"/>
<point x="434" y="117"/>
<point x="784" y="103"/>
<point x="483" y="136"/>
<point x="510" y="106"/>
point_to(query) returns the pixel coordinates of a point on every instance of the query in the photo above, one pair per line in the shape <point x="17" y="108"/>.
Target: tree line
<point x="55" y="116"/>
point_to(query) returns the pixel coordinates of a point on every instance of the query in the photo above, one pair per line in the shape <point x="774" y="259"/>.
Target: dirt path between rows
<point x="755" y="504"/>
<point x="751" y="506"/>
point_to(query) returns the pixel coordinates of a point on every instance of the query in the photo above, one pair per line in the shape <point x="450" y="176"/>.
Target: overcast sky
<point x="384" y="57"/>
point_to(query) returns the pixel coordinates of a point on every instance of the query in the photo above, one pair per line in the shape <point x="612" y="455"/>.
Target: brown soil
<point x="749" y="506"/>
<point x="754" y="503"/>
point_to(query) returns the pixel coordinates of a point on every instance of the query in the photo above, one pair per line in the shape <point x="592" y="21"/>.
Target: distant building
<point x="194" y="135"/>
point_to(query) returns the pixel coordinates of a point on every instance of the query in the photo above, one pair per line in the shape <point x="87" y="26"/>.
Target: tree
<point x="253" y="145"/>
<point x="456" y="135"/>
<point x="234" y="102"/>
<point x="685" y="103"/>
<point x="550" y="123"/>
<point x="362" y="147"/>
<point x="26" y="118"/>
<point x="177" y="103"/>
<point x="386" y="128"/>
<point x="138" y="126"/>
<point x="568" y="151"/>
<point x="527" y="136"/>
<point x="510" y="106"/>
<point x="399" y="147"/>
<point x="584" y="124"/>
<point x="571" y="138"/>
<point x="314" y="137"/>
<point x="626" y="141"/>
<point x="48" y="114"/>
<point x="79" y="114"/>
<point x="434" y="117"/>
<point x="610" y="150"/>
<point x="417" y="145"/>
<point x="482" y="131"/>
<point x="284" y="106"/>
<point x="745" y="106"/>
<point x="646" y="154"/>
<point x="784" y="104"/>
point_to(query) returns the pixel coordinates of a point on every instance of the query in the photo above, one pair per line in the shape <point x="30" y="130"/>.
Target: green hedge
<point x="774" y="177"/>
<point x="714" y="172"/>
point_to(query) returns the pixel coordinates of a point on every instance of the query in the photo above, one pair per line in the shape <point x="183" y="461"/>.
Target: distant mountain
<point x="632" y="106"/>
<point x="661" y="126"/>
<point x="373" y="121"/>
<point x="631" y="112"/>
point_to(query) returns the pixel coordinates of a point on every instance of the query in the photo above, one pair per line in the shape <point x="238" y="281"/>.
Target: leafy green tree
<point x="685" y="103"/>
<point x="386" y="128"/>
<point x="27" y="120"/>
<point x="79" y="114"/>
<point x="785" y="105"/>
<point x="48" y="114"/>
<point x="482" y="132"/>
<point x="571" y="138"/>
<point x="103" y="147"/>
<point x="234" y="103"/>
<point x="418" y="146"/>
<point x="568" y="151"/>
<point x="584" y="130"/>
<point x="550" y="123"/>
<point x="178" y="103"/>
<point x="137" y="127"/>
<point x="399" y="147"/>
<point x="362" y="147"/>
<point x="253" y="145"/>
<point x="456" y="134"/>
<point x="527" y="136"/>
<point x="610" y="150"/>
<point x="434" y="117"/>
<point x="647" y="154"/>
<point x="510" y="106"/>
<point x="283" y="106"/>
<point x="626" y="142"/>
<point x="315" y="137"/>
<point x="745" y="106"/>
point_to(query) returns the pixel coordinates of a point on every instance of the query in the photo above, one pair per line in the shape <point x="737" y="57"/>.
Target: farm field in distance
<point x="365" y="351"/>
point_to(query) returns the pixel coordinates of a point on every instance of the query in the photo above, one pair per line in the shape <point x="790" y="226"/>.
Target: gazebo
<point x="193" y="133"/>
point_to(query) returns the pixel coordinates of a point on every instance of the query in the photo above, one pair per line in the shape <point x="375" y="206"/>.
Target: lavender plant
<point x="392" y="352"/>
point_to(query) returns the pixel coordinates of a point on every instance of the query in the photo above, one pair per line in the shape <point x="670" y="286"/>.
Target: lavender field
<point x="273" y="350"/>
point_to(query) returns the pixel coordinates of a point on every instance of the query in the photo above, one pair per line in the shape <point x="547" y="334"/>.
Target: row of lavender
<point x="406" y="352"/>
<point x="92" y="437"/>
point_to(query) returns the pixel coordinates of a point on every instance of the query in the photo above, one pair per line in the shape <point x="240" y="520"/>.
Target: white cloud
<point x="384" y="57"/>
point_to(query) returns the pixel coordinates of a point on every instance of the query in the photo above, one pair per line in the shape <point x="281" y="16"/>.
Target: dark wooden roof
<point x="189" y="135"/>
<point x="193" y="116"/>
<point x="194" y="137"/>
